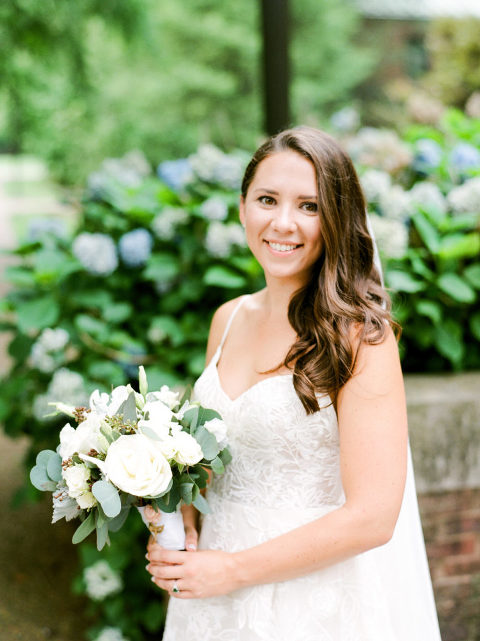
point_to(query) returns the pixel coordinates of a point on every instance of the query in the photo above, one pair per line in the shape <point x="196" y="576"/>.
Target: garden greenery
<point x="152" y="256"/>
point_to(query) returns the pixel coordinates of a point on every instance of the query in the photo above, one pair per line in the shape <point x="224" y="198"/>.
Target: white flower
<point x="221" y="237"/>
<point x="168" y="447"/>
<point x="219" y="429"/>
<point x="188" y="450"/>
<point x="346" y="119"/>
<point x="111" y="634"/>
<point x="164" y="225"/>
<point x="41" y="359"/>
<point x="466" y="197"/>
<point x="108" y="404"/>
<point x="64" y="507"/>
<point x="161" y="429"/>
<point x="76" y="477"/>
<point x="86" y="437"/>
<point x="136" y="465"/>
<point x="159" y="417"/>
<point x="54" y="339"/>
<point x="395" y="203"/>
<point x="166" y="395"/>
<point x="86" y="500"/>
<point x="101" y="581"/>
<point x="96" y="252"/>
<point x="65" y="385"/>
<point x="214" y="208"/>
<point x="375" y="183"/>
<point x="428" y="195"/>
<point x="391" y="236"/>
<point x="379" y="148"/>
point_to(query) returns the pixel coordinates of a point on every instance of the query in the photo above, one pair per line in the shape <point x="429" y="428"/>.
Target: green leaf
<point x="148" y="431"/>
<point x="190" y="418"/>
<point x="403" y="282"/>
<point x="169" y="501"/>
<point x="217" y="465"/>
<point x="201" y="504"/>
<point x="40" y="480"/>
<point x="20" y="347"/>
<point x="475" y="325"/>
<point x="161" y="267"/>
<point x="20" y="276"/>
<point x="202" y="475"/>
<point x="186" y="492"/>
<point x="54" y="467"/>
<point x="430" y="309"/>
<point x="206" y="414"/>
<point x="118" y="312"/>
<point x="427" y="232"/>
<point x="226" y="456"/>
<point x="472" y="274"/>
<point x="456" y="288"/>
<point x="44" y="456"/>
<point x="115" y="524"/>
<point x="102" y="536"/>
<point x="107" y="372"/>
<point x="128" y="409"/>
<point x="449" y="341"/>
<point x="85" y="528"/>
<point x="91" y="325"/>
<point x="107" y="495"/>
<point x="207" y="442"/>
<point x="165" y="327"/>
<point x="460" y="246"/>
<point x="37" y="314"/>
<point x="223" y="277"/>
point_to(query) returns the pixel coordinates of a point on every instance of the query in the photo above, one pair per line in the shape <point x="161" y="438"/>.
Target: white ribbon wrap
<point x="167" y="528"/>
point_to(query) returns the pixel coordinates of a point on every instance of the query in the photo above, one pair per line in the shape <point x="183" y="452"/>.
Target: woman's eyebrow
<point x="275" y="193"/>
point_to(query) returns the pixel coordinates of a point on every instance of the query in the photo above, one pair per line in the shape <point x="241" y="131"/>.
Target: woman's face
<point x="281" y="218"/>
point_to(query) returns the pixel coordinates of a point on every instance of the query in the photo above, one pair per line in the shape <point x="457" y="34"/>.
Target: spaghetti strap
<point x="230" y="320"/>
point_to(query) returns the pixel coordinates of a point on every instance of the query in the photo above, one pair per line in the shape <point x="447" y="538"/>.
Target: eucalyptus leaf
<point x="190" y="418"/>
<point x="206" y="414"/>
<point x="148" y="431"/>
<point x="128" y="409"/>
<point x="226" y="456"/>
<point x="102" y="536"/>
<point x="207" y="442"/>
<point x="107" y="495"/>
<point x="201" y="504"/>
<point x="44" y="456"/>
<point x="115" y="524"/>
<point x="217" y="465"/>
<point x="186" y="492"/>
<point x="54" y="467"/>
<point x="84" y="529"/>
<point x="40" y="480"/>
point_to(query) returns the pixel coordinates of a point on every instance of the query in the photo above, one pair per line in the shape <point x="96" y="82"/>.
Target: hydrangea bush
<point x="152" y="257"/>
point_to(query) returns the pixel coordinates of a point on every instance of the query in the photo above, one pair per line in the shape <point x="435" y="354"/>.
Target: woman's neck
<point x="277" y="295"/>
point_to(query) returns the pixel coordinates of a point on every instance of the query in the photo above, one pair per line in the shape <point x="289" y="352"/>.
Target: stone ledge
<point x="444" y="425"/>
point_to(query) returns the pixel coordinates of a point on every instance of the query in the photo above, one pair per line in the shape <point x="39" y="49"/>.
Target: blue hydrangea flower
<point x="464" y="157"/>
<point x="43" y="229"/>
<point x="96" y="252"/>
<point x="176" y="174"/>
<point x="135" y="247"/>
<point x="428" y="155"/>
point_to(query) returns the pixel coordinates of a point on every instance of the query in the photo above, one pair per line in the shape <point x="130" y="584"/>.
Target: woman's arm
<point x="373" y="444"/>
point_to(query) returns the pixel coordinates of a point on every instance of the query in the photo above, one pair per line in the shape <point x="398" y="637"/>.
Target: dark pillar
<point x="275" y="65"/>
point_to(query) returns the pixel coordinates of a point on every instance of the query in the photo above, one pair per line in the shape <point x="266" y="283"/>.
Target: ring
<point x="175" y="588"/>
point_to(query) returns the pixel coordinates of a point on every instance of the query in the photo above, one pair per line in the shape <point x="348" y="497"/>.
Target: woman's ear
<point x="241" y="209"/>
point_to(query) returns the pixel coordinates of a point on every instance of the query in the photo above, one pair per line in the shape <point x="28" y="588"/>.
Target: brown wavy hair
<point x="344" y="302"/>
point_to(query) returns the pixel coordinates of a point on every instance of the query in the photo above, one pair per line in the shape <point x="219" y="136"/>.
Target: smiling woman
<point x="314" y="532"/>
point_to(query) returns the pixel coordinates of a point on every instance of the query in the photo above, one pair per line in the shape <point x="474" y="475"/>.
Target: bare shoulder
<point x="218" y="324"/>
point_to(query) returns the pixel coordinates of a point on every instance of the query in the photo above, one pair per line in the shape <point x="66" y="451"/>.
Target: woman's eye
<point x="267" y="200"/>
<point x="310" y="206"/>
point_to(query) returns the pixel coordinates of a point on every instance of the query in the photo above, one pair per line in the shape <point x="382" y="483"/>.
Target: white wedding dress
<point x="285" y="472"/>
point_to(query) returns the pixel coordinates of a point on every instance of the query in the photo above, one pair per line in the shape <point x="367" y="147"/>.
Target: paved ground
<point x="37" y="559"/>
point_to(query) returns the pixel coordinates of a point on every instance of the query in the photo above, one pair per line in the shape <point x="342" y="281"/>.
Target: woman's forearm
<point x="332" y="538"/>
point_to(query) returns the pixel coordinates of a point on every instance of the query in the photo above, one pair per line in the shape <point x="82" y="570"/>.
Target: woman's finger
<point x="165" y="571"/>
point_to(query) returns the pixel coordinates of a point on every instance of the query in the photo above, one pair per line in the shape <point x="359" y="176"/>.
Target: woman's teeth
<point x="281" y="247"/>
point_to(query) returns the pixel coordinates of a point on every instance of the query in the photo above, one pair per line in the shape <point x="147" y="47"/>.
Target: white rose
<point x="162" y="430"/>
<point x="86" y="500"/>
<point x="166" y="395"/>
<point x="136" y="465"/>
<point x="168" y="446"/>
<point x="188" y="450"/>
<point x="86" y="437"/>
<point x="218" y="428"/>
<point x="108" y="404"/>
<point x="76" y="478"/>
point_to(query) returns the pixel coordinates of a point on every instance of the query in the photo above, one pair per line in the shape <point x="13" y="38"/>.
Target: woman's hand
<point x="195" y="575"/>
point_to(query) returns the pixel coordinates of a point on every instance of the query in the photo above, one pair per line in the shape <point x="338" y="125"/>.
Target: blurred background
<point x="125" y="126"/>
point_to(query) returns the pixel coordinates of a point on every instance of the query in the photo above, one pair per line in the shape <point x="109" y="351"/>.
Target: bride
<point x="314" y="532"/>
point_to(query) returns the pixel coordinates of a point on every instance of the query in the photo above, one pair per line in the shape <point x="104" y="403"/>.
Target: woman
<point x="303" y="540"/>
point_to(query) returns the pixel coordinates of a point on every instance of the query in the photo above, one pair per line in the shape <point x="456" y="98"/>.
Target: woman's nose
<point x="284" y="219"/>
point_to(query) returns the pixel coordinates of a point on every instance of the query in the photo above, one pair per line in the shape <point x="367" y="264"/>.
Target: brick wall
<point x="451" y="524"/>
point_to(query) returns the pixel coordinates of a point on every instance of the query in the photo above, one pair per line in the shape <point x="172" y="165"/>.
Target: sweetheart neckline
<point x="214" y="362"/>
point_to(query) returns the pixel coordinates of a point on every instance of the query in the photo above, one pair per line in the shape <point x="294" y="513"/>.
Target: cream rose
<point x="188" y="450"/>
<point x="165" y="395"/>
<point x="77" y="477"/>
<point x="86" y="500"/>
<point x="218" y="428"/>
<point x="135" y="464"/>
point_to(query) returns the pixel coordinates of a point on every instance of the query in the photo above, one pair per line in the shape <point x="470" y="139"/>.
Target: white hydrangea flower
<point x="395" y="203"/>
<point x="214" y="208"/>
<point x="50" y="340"/>
<point x="212" y="165"/>
<point x="428" y="195"/>
<point x="375" y="183"/>
<point x="165" y="223"/>
<point x="65" y="385"/>
<point x="380" y="148"/>
<point x="110" y="633"/>
<point x="220" y="238"/>
<point x="54" y="339"/>
<point x="41" y="359"/>
<point x="466" y="197"/>
<point x="346" y="119"/>
<point x="96" y="252"/>
<point x="391" y="236"/>
<point x="101" y="581"/>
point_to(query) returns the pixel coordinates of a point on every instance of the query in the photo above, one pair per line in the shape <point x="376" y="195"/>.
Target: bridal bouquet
<point x="152" y="450"/>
